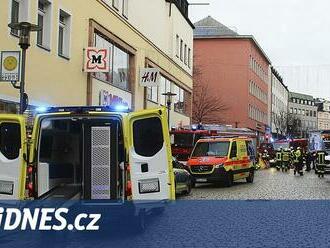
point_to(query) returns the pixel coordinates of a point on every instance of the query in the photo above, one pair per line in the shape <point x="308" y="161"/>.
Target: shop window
<point x="120" y="68"/>
<point x="44" y="21"/>
<point x="64" y="33"/>
<point x="152" y="94"/>
<point x="10" y="140"/>
<point x="118" y="74"/>
<point x="165" y="86"/>
<point x="148" y="136"/>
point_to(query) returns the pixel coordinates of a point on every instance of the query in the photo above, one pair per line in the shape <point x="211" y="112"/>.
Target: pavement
<point x="268" y="184"/>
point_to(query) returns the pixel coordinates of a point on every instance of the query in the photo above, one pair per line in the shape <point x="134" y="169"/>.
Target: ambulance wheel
<point x="188" y="191"/>
<point x="250" y="178"/>
<point x="229" y="179"/>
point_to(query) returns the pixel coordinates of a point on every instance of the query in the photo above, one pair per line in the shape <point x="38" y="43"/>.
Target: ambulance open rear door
<point x="13" y="156"/>
<point x="150" y="162"/>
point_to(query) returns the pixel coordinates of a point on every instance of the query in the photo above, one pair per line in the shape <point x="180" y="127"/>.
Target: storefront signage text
<point x="96" y="59"/>
<point x="107" y="99"/>
<point x="149" y="77"/>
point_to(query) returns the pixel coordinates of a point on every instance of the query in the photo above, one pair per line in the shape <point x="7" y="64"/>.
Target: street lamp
<point x="24" y="29"/>
<point x="169" y="96"/>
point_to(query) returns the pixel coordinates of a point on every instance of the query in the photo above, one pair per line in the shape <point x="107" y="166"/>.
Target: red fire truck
<point x="184" y="140"/>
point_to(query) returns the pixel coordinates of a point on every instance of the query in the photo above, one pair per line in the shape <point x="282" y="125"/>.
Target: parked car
<point x="183" y="181"/>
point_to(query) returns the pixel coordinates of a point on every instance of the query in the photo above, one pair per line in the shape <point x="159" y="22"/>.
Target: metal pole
<point x="22" y="84"/>
<point x="168" y="113"/>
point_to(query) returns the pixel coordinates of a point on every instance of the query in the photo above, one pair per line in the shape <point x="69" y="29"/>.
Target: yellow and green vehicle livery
<point x="221" y="159"/>
<point x="87" y="153"/>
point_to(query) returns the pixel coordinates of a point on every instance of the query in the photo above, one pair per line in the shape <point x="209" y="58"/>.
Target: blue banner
<point x="173" y="224"/>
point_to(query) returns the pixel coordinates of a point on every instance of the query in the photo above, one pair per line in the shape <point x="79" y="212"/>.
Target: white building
<point x="279" y="103"/>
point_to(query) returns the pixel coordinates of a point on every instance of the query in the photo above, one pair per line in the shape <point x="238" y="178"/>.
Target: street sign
<point x="149" y="77"/>
<point x="96" y="59"/>
<point x="10" y="66"/>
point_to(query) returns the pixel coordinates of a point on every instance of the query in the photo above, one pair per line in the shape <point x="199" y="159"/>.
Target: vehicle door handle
<point x="144" y="168"/>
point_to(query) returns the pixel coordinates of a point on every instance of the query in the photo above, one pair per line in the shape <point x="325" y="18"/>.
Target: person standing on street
<point x="309" y="158"/>
<point x="320" y="165"/>
<point x="279" y="159"/>
<point x="298" y="168"/>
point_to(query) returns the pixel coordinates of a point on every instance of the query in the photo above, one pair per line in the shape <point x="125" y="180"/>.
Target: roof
<point x="209" y="28"/>
<point x="301" y="96"/>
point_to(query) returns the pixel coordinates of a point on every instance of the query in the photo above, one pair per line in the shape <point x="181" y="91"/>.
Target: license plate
<point x="201" y="180"/>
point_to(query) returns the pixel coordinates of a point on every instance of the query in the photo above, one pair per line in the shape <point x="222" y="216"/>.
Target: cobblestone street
<point x="268" y="184"/>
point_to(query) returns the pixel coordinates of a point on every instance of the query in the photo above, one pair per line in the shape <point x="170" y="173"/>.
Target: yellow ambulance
<point x="87" y="153"/>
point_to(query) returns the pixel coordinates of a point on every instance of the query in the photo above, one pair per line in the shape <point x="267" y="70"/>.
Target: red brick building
<point x="236" y="68"/>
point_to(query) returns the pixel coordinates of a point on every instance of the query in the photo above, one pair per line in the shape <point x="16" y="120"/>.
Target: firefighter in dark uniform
<point x="309" y="159"/>
<point x="298" y="162"/>
<point x="320" y="163"/>
<point x="292" y="157"/>
<point x="285" y="160"/>
<point x="279" y="159"/>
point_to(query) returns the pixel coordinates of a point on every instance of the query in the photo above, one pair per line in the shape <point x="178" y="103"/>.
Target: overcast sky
<point x="295" y="34"/>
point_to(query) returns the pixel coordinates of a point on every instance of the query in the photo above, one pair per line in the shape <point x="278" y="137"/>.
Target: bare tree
<point x="280" y="122"/>
<point x="207" y="105"/>
<point x="294" y="125"/>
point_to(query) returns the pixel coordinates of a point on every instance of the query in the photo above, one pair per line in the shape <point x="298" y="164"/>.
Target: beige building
<point x="323" y="114"/>
<point x="159" y="36"/>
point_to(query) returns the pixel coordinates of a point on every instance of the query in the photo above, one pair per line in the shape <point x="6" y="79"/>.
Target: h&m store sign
<point x="107" y="99"/>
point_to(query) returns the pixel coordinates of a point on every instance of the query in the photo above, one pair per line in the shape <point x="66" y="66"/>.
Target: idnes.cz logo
<point x="46" y="219"/>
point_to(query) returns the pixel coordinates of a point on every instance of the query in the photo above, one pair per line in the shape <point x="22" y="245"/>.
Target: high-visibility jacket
<point x="321" y="157"/>
<point x="279" y="156"/>
<point x="285" y="156"/>
<point x="297" y="156"/>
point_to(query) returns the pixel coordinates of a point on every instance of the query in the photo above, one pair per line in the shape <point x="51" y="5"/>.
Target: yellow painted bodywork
<point x="11" y="118"/>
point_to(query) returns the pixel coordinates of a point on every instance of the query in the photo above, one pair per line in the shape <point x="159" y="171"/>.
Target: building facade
<point x="54" y="73"/>
<point x="279" y="104"/>
<point x="323" y="114"/>
<point x="302" y="114"/>
<point x="235" y="68"/>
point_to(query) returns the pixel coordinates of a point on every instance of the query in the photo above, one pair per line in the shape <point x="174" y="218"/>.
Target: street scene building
<point x="302" y="114"/>
<point x="279" y="104"/>
<point x="55" y="59"/>
<point x="235" y="68"/>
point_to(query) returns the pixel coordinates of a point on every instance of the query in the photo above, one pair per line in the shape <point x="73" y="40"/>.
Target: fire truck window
<point x="148" y="136"/>
<point x="233" y="152"/>
<point x="10" y="140"/>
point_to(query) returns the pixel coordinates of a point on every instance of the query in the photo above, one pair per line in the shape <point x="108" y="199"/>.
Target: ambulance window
<point x="148" y="136"/>
<point x="10" y="140"/>
<point x="233" y="152"/>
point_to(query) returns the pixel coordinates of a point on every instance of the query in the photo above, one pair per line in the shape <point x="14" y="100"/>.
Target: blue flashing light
<point x="121" y="108"/>
<point x="194" y="127"/>
<point x="271" y="140"/>
<point x="41" y="109"/>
